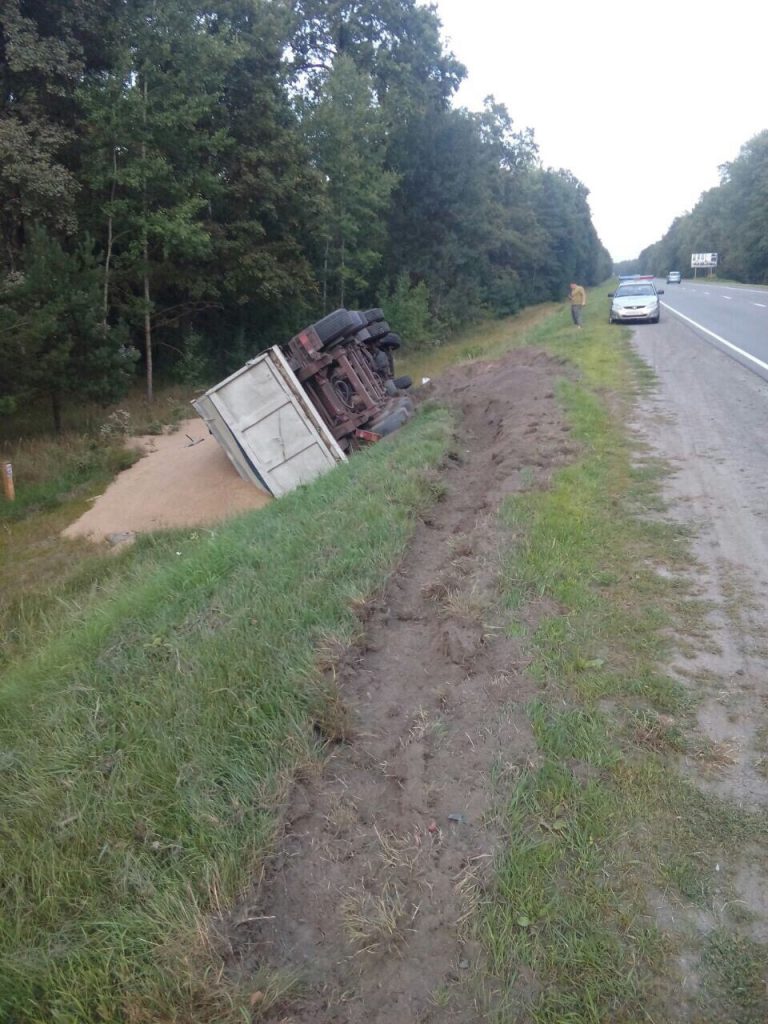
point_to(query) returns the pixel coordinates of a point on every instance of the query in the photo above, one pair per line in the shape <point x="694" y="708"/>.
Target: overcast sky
<point x="641" y="101"/>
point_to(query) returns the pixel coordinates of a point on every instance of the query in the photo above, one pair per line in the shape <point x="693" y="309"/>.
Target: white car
<point x="674" y="277"/>
<point x="638" y="300"/>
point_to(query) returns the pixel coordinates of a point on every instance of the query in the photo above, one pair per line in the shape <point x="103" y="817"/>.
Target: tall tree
<point x="40" y="61"/>
<point x="53" y="343"/>
<point x="154" y="142"/>
<point x="346" y="128"/>
<point x="396" y="42"/>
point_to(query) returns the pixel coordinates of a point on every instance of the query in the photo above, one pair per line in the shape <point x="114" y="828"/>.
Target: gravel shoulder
<point x="708" y="419"/>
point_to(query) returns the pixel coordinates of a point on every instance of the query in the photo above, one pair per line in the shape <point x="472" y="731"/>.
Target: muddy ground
<point x="385" y="851"/>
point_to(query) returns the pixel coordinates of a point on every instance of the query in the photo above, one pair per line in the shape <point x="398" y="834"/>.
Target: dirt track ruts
<point x="384" y="852"/>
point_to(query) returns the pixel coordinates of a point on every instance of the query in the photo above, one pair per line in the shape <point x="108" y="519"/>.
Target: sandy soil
<point x="385" y="853"/>
<point x="184" y="479"/>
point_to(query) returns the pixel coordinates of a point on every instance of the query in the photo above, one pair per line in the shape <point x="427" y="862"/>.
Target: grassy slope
<point x="145" y="744"/>
<point x="604" y="826"/>
<point x="55" y="479"/>
<point x="178" y="691"/>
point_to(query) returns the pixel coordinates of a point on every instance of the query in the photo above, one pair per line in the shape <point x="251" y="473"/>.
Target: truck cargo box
<point x="264" y="421"/>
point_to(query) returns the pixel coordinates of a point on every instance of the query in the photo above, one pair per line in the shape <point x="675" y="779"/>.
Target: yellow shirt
<point x="578" y="296"/>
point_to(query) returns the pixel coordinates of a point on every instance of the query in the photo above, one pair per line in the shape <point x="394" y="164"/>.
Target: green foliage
<point x="731" y="220"/>
<point x="54" y="340"/>
<point x="406" y="308"/>
<point x="346" y="131"/>
<point x="193" y="367"/>
<point x="244" y="167"/>
<point x="41" y="58"/>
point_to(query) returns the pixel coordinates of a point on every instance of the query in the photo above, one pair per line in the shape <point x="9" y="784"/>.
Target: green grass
<point x="48" y="474"/>
<point x="487" y="340"/>
<point x="55" y="478"/>
<point x="156" y="705"/>
<point x="604" y="819"/>
<point x="147" y="743"/>
<point x="735" y="979"/>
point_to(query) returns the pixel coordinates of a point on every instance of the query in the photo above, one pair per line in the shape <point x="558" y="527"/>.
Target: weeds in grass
<point x="689" y="877"/>
<point x="372" y="919"/>
<point x="735" y="979"/>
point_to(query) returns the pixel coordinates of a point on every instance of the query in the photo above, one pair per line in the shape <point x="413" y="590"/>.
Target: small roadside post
<point x="8" y="489"/>
<point x="704" y="261"/>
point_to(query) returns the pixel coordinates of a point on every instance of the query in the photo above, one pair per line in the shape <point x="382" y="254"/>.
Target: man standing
<point x="578" y="300"/>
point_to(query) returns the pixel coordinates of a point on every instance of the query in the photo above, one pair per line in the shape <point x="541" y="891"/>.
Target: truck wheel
<point x="390" y="340"/>
<point x="335" y="325"/>
<point x="359" y="318"/>
<point x="378" y="330"/>
<point x="389" y="423"/>
<point x="403" y="383"/>
<point x="374" y="315"/>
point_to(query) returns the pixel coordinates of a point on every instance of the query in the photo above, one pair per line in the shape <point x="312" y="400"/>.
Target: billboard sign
<point x="703" y="259"/>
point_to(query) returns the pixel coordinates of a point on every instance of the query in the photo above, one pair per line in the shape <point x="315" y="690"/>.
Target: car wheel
<point x="654" y="320"/>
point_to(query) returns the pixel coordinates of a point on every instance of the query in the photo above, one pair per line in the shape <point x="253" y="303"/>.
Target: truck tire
<point x="390" y="340"/>
<point x="378" y="330"/>
<point x="402" y="383"/>
<point x="381" y="363"/>
<point x="391" y="421"/>
<point x="374" y="315"/>
<point x="336" y="324"/>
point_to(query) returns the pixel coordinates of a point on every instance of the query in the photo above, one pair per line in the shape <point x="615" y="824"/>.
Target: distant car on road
<point x="674" y="277"/>
<point x="635" y="300"/>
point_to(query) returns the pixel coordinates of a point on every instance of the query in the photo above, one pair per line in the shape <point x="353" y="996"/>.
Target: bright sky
<point x="641" y="101"/>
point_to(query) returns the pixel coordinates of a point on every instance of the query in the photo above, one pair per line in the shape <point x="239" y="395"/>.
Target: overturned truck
<point x="297" y="410"/>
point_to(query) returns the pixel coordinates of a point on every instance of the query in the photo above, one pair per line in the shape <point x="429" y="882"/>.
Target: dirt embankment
<point x="383" y="853"/>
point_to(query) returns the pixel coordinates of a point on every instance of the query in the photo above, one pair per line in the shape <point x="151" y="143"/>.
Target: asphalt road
<point x="733" y="318"/>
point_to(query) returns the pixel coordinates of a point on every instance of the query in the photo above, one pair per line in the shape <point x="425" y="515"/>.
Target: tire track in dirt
<point x="384" y="852"/>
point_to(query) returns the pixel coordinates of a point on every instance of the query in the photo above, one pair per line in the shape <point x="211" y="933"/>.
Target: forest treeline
<point x="730" y="219"/>
<point x="184" y="183"/>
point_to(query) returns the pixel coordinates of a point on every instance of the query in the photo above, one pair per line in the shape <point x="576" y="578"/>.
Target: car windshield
<point x="635" y="289"/>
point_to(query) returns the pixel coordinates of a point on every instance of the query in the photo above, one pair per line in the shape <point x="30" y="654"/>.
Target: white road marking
<point x="727" y="297"/>
<point x="760" y="304"/>
<point x="717" y="337"/>
<point x="746" y="291"/>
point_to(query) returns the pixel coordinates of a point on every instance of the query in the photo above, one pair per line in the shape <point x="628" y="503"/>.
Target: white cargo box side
<point x="264" y="421"/>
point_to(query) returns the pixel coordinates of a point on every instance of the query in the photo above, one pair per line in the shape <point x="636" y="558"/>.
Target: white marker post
<point x="8" y="489"/>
